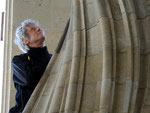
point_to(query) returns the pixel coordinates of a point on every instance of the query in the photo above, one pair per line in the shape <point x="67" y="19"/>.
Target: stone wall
<point x="111" y="36"/>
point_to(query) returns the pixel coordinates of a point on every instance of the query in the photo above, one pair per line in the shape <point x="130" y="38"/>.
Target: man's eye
<point x="32" y="29"/>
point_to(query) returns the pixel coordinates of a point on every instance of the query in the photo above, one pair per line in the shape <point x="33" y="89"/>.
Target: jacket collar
<point x="38" y="52"/>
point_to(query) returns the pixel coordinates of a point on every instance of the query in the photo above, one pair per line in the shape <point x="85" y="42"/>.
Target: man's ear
<point x="25" y="41"/>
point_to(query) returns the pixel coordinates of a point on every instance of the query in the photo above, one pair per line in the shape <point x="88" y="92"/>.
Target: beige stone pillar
<point x="7" y="57"/>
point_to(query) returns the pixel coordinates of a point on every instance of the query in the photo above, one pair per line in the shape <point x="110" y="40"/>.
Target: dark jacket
<point x="27" y="71"/>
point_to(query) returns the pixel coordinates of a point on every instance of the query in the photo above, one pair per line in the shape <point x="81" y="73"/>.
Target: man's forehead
<point x="30" y="26"/>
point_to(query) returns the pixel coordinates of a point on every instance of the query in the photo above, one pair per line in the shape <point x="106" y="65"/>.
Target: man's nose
<point x="38" y="29"/>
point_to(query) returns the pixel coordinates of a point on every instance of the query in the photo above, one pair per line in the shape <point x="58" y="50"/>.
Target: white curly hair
<point x="21" y="34"/>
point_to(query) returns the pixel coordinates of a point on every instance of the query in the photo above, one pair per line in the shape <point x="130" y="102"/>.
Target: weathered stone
<point x="103" y="65"/>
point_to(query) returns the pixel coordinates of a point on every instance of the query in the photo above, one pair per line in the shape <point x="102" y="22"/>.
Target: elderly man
<point x="29" y="66"/>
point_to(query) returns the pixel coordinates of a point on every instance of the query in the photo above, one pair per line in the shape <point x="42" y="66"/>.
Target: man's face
<point x="35" y="36"/>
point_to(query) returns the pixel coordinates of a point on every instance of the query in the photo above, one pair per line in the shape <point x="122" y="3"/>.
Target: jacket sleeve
<point x="22" y="70"/>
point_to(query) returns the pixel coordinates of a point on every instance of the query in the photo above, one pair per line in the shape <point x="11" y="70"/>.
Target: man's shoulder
<point x="20" y="57"/>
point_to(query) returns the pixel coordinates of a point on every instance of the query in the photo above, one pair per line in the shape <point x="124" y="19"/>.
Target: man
<point x="29" y="66"/>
